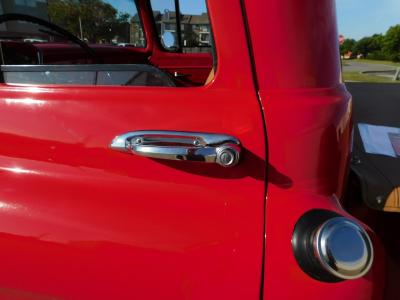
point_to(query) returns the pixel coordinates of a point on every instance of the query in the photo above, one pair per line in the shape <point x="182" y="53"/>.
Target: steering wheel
<point x="68" y="35"/>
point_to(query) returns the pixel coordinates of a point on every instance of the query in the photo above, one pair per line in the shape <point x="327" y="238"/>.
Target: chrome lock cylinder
<point x="228" y="155"/>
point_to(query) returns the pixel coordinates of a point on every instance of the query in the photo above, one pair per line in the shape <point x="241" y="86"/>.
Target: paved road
<point x="376" y="103"/>
<point x="357" y="66"/>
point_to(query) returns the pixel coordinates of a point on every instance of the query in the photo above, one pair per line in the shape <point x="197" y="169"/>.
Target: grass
<point x="356" y="76"/>
<point x="380" y="62"/>
<point x="374" y="62"/>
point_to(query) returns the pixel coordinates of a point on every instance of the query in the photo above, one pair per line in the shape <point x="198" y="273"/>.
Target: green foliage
<point x="391" y="43"/>
<point x="369" y="46"/>
<point x="376" y="47"/>
<point x="348" y="46"/>
<point x="100" y="21"/>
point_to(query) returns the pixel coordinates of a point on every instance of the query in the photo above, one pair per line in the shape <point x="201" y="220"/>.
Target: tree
<point x="378" y="46"/>
<point x="347" y="46"/>
<point x="391" y="43"/>
<point x="370" y="47"/>
<point x="100" y="21"/>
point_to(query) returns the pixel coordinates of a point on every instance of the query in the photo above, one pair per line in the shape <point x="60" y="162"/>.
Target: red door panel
<point x="81" y="221"/>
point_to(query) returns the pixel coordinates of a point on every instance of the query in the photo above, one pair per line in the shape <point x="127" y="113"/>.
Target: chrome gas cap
<point x="343" y="248"/>
<point x="330" y="247"/>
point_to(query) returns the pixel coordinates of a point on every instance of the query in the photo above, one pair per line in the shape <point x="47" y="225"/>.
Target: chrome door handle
<point x="221" y="149"/>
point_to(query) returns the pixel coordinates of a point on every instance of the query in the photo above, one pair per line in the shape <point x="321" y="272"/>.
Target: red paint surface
<point x="79" y="221"/>
<point x="195" y="67"/>
<point x="308" y="116"/>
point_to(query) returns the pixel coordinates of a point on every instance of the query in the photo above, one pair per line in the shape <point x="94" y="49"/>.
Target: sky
<point x="360" y="18"/>
<point x="196" y="7"/>
<point x="356" y="18"/>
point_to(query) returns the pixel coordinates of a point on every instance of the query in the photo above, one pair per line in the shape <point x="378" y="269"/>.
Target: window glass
<point x="114" y="22"/>
<point x="95" y="42"/>
<point x="165" y="21"/>
<point x="194" y="35"/>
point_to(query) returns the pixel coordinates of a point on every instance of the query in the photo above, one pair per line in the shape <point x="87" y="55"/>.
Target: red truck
<point x="176" y="149"/>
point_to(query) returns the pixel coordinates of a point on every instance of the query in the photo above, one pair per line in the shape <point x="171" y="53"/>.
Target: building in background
<point x="136" y="34"/>
<point x="196" y="29"/>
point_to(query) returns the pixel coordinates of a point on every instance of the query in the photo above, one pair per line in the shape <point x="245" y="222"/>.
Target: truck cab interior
<point x="123" y="43"/>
